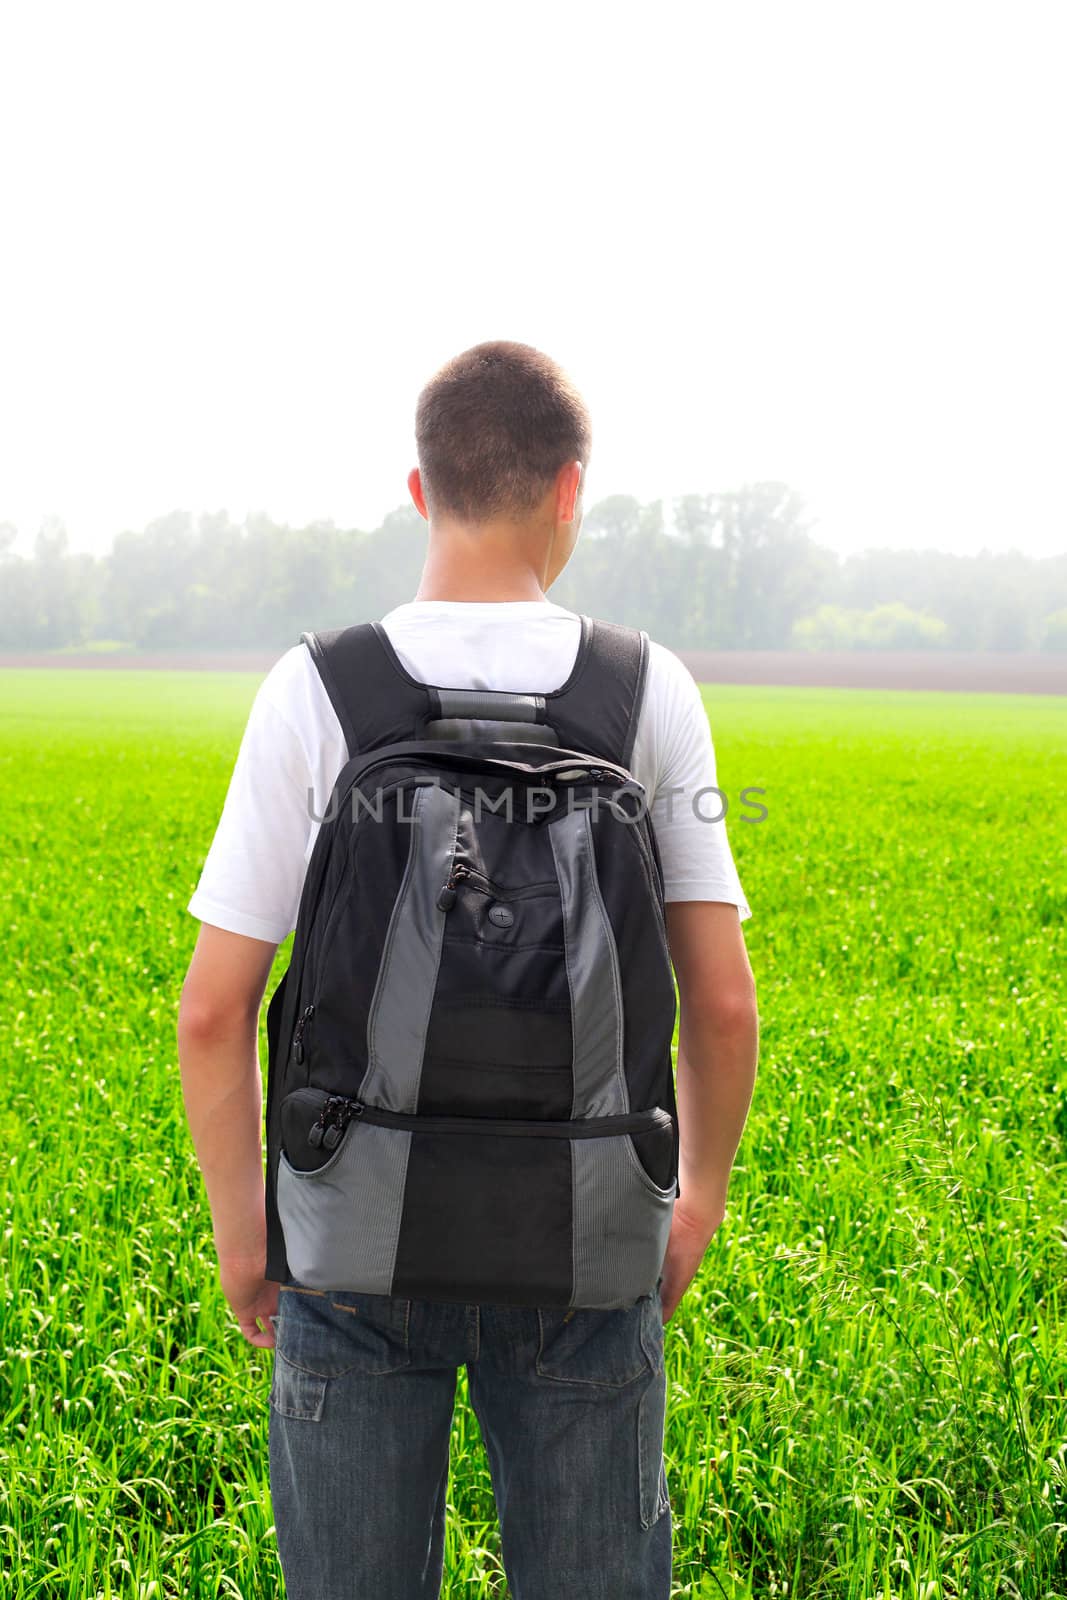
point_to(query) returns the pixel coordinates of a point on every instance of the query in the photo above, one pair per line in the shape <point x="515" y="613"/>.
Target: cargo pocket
<point x="652" y="1471"/>
<point x="296" y="1393"/>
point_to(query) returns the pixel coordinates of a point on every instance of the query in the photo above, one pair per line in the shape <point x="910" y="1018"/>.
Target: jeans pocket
<point x="652" y="1471"/>
<point x="330" y="1334"/>
<point x="604" y="1348"/>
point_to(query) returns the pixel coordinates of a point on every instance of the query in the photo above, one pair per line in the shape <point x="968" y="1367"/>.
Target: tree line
<point x="735" y="571"/>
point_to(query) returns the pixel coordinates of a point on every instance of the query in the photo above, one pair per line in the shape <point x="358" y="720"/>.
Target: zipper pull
<point x="317" y="1130"/>
<point x="324" y="1131"/>
<point x="298" y="1036"/>
<point x="446" y="899"/>
<point x="341" y="1111"/>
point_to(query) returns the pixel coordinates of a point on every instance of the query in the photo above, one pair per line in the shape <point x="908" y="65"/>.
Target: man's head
<point x="503" y="440"/>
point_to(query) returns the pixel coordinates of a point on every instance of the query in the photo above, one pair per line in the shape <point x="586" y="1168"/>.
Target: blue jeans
<point x="571" y="1406"/>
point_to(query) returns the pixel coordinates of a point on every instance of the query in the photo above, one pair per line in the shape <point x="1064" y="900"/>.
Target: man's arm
<point x="218" y="1022"/>
<point x="718" y="1046"/>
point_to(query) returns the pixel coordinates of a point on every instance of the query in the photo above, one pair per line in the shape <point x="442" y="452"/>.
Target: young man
<point x="571" y="1404"/>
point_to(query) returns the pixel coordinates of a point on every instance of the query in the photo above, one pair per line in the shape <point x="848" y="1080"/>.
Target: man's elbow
<point x="210" y="1019"/>
<point x="727" y="1011"/>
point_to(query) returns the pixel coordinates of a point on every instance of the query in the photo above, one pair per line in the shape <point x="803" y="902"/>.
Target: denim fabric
<point x="571" y="1406"/>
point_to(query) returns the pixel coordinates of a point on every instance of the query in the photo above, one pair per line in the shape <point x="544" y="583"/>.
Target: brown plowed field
<point x="970" y="671"/>
<point x="1021" y="673"/>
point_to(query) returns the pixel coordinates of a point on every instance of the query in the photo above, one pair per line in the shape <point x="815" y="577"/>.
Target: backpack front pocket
<point x="473" y="1209"/>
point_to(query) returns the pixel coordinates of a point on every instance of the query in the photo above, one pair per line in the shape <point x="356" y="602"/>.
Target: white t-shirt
<point x="254" y="872"/>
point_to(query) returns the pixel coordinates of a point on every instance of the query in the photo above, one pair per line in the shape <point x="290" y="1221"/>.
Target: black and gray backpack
<point x="470" y="1089"/>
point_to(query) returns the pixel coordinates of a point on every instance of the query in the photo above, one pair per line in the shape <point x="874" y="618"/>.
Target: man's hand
<point x="691" y="1233"/>
<point x="252" y="1298"/>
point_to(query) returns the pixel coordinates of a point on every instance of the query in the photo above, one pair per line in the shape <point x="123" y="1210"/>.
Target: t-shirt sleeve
<point x="687" y="811"/>
<point x="253" y="876"/>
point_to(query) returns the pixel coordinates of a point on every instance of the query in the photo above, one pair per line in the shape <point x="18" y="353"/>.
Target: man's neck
<point x="487" y="564"/>
<point x="442" y="584"/>
<point x="464" y="596"/>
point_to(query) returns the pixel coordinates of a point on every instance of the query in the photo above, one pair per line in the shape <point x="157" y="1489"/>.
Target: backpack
<point x="470" y="1089"/>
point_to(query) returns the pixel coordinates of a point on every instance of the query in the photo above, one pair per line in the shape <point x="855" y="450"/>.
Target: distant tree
<point x="1054" y="631"/>
<point x="18" y="599"/>
<point x="145" y="579"/>
<point x="775" y="565"/>
<point x="705" y="602"/>
<point x="59" y="605"/>
<point x="827" y="628"/>
<point x="890" y="627"/>
<point x="897" y="627"/>
<point x="759" y="569"/>
<point x="988" y="601"/>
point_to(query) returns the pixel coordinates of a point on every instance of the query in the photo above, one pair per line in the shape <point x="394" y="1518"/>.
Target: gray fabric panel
<point x="495" y="704"/>
<point x="342" y="1223"/>
<point x="600" y="1088"/>
<point x="403" y="996"/>
<point x="621" y="1223"/>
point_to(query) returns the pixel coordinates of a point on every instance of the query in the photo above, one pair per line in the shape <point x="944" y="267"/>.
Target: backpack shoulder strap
<point x="598" y="708"/>
<point x="375" y="704"/>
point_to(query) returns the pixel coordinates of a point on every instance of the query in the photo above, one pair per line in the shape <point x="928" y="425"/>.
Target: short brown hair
<point x="493" y="428"/>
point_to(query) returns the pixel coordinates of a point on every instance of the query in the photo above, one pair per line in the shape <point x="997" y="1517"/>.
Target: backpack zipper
<point x="298" y="1034"/>
<point x="478" y="881"/>
<point x="576" y="770"/>
<point x="338" y="1110"/>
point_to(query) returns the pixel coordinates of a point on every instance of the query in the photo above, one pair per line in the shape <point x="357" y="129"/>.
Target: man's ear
<point x="568" y="492"/>
<point x="415" y="489"/>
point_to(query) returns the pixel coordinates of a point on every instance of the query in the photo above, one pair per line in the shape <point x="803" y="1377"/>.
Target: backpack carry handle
<point x="494" y="705"/>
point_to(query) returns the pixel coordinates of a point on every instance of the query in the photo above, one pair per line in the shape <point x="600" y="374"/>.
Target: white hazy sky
<point x="815" y="242"/>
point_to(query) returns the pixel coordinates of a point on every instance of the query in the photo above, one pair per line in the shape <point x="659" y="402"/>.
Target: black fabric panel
<point x="649" y="1001"/>
<point x="481" y="1213"/>
<point x="499" y="1041"/>
<point x="488" y="1033"/>
<point x="497" y="1061"/>
<point x="477" y="971"/>
<point x="453" y="1086"/>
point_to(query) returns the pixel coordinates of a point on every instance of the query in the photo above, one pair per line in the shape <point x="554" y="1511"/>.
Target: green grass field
<point x="867" y="1380"/>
